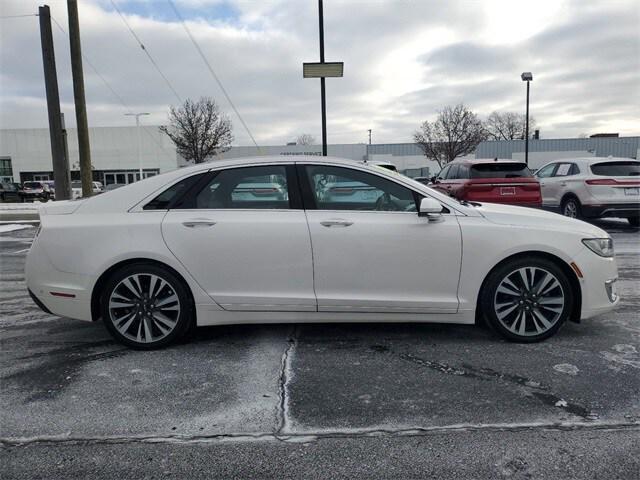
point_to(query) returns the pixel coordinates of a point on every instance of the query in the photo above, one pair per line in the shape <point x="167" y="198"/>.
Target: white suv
<point x="592" y="187"/>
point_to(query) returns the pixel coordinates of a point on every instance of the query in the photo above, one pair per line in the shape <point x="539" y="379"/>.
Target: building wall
<point x="115" y="149"/>
<point x="112" y="148"/>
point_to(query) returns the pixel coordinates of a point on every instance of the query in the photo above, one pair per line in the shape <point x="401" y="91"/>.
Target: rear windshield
<point x="76" y="184"/>
<point x="500" y="170"/>
<point x="616" y="169"/>
<point x="32" y="185"/>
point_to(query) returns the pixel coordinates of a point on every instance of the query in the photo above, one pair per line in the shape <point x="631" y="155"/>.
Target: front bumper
<point x="598" y="282"/>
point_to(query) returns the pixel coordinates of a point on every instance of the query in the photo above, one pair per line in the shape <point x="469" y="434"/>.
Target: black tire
<point x="571" y="207"/>
<point x="490" y="300"/>
<point x="182" y="321"/>
<point x="634" y="221"/>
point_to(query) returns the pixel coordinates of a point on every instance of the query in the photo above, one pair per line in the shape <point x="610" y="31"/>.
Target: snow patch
<point x="566" y="368"/>
<point x="12" y="227"/>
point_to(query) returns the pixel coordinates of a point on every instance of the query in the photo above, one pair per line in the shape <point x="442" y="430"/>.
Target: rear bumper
<point x="612" y="210"/>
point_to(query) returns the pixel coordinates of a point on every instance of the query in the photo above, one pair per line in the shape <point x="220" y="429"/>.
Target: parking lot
<point x="348" y="400"/>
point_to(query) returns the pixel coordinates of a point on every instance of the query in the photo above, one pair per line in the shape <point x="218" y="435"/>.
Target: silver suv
<point x="592" y="187"/>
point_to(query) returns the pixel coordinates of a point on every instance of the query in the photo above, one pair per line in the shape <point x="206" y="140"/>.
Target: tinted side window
<point x="173" y="193"/>
<point x="262" y="187"/>
<point x="443" y="173"/>
<point x="338" y="188"/>
<point x="453" y="172"/>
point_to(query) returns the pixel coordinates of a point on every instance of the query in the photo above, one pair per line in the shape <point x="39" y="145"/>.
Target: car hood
<point x="532" y="217"/>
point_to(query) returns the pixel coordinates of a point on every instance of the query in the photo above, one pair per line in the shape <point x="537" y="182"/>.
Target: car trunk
<point x="502" y="182"/>
<point x="615" y="182"/>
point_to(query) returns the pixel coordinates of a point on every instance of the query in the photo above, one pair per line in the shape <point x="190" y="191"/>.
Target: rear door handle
<point x="336" y="223"/>
<point x="198" y="223"/>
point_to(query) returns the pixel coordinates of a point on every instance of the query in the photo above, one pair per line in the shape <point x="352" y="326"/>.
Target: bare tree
<point x="306" y="139"/>
<point x="199" y="129"/>
<point x="508" y="126"/>
<point x="457" y="131"/>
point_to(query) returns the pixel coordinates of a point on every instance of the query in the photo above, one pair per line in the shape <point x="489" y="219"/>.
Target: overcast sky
<point x="404" y="60"/>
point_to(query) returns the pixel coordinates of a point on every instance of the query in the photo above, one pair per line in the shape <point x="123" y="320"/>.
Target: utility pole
<point x="322" y="80"/>
<point x="526" y="77"/>
<point x="84" y="149"/>
<point x="61" y="173"/>
<point x="138" y="115"/>
<point x="369" y="136"/>
<point x="322" y="70"/>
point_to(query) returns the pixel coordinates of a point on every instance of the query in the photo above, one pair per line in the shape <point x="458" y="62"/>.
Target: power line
<point x="144" y="49"/>
<point x="213" y="74"/>
<point x="115" y="94"/>
<point x="19" y="16"/>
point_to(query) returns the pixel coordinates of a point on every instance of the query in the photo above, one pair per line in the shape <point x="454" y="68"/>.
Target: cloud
<point x="404" y="61"/>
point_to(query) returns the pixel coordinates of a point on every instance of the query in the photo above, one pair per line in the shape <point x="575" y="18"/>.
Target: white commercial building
<point x="25" y="154"/>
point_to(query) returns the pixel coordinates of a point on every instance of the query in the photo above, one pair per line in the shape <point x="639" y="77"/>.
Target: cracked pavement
<point x="330" y="401"/>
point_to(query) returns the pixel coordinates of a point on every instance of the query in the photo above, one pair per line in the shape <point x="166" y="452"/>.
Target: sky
<point x="403" y="62"/>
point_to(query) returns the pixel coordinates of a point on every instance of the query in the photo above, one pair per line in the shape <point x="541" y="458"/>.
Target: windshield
<point x="32" y="185"/>
<point x="500" y="170"/>
<point x="616" y="169"/>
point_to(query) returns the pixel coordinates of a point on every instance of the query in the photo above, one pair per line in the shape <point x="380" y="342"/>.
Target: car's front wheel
<point x="571" y="208"/>
<point x="146" y="306"/>
<point x="527" y="300"/>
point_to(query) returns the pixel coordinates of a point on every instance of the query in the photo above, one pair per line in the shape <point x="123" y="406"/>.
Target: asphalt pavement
<point x="319" y="401"/>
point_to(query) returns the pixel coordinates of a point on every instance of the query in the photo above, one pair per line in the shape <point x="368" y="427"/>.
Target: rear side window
<point x="263" y="187"/>
<point x="500" y="170"/>
<point x="616" y="169"/>
<point x="173" y="193"/>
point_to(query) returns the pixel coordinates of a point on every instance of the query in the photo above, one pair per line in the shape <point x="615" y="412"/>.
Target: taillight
<point x="264" y="191"/>
<point x="601" y="181"/>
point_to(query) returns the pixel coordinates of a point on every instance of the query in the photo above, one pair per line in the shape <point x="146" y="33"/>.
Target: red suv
<point x="493" y="181"/>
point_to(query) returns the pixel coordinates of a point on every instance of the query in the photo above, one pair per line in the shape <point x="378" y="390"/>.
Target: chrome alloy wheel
<point x="529" y="301"/>
<point x="144" y="307"/>
<point x="570" y="209"/>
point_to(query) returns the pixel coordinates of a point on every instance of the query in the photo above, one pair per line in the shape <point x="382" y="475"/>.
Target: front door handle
<point x="563" y="184"/>
<point x="198" y="223"/>
<point x="336" y="223"/>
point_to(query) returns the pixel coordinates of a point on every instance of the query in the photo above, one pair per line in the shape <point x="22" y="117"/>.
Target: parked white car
<point x="154" y="257"/>
<point x="592" y="187"/>
<point x="76" y="189"/>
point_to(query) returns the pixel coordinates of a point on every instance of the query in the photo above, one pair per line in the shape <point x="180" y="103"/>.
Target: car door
<point x="243" y="235"/>
<point x="547" y="190"/>
<point x="374" y="253"/>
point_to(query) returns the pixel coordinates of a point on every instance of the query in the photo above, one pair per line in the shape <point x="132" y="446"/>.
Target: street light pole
<point x="526" y="77"/>
<point x="322" y="80"/>
<point x="138" y="115"/>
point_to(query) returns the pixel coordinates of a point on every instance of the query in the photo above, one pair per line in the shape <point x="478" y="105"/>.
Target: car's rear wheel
<point x="634" y="221"/>
<point x="146" y="306"/>
<point x="527" y="300"/>
<point x="571" y="208"/>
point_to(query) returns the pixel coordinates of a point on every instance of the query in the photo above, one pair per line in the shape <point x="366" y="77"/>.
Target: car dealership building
<point x="25" y="154"/>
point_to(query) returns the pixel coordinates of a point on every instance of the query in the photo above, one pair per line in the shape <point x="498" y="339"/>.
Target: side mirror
<point x="430" y="208"/>
<point x="434" y="179"/>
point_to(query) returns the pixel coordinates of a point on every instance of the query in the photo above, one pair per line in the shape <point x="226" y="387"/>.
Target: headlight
<point x="600" y="246"/>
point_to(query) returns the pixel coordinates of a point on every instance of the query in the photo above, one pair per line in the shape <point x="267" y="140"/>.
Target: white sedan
<point x="191" y="247"/>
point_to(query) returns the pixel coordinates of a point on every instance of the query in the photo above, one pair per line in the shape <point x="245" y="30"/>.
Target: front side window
<point x="339" y="188"/>
<point x="443" y="173"/>
<point x="263" y="187"/>
<point x="546" y="171"/>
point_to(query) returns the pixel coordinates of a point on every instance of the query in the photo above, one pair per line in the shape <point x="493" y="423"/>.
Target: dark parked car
<point x="36" y="190"/>
<point x="491" y="181"/>
<point x="9" y="192"/>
